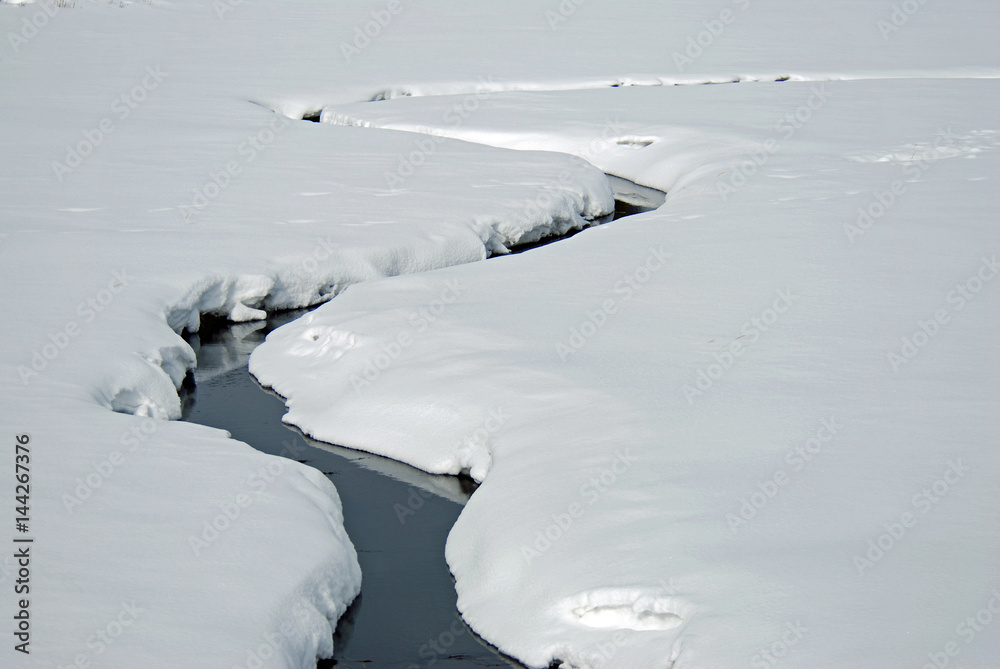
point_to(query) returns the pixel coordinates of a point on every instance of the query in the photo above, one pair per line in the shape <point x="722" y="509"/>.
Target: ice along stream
<point x="405" y="616"/>
<point x="398" y="517"/>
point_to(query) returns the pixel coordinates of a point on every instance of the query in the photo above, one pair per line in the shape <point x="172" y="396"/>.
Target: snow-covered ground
<point x="710" y="410"/>
<point x="695" y="427"/>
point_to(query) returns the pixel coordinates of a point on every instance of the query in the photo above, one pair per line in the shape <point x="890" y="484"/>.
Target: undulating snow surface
<point x="754" y="423"/>
<point x="151" y="172"/>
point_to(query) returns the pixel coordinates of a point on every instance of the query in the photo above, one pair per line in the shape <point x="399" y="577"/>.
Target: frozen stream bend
<point x="397" y="517"/>
<point x="697" y="340"/>
<point x="308" y="215"/>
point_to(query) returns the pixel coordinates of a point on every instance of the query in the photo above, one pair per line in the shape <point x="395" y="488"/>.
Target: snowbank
<point x="753" y="427"/>
<point x="145" y="198"/>
<point x="145" y="179"/>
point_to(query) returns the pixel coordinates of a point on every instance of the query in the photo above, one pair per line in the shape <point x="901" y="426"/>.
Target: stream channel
<point x="405" y="616"/>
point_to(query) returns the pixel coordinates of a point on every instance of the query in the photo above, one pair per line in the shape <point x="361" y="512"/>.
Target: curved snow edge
<point x="145" y="383"/>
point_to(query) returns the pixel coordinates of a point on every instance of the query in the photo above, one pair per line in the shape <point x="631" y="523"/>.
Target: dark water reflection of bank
<point x="405" y="617"/>
<point x="398" y="517"/>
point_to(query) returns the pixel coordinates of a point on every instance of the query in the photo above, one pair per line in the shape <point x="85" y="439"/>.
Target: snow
<point x="106" y="263"/>
<point x="709" y="414"/>
<point x="200" y="193"/>
<point x="663" y="376"/>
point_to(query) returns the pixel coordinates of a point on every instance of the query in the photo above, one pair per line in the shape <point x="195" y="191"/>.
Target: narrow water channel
<point x="398" y="517"/>
<point x="405" y="616"/>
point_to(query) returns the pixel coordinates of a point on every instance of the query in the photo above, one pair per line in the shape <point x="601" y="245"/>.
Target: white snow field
<point x="773" y="445"/>
<point x="747" y="429"/>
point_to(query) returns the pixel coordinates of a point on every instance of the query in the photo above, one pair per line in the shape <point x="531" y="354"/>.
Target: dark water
<point x="405" y="617"/>
<point x="397" y="516"/>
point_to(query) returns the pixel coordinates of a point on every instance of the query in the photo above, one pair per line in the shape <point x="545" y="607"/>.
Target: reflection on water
<point x="397" y="516"/>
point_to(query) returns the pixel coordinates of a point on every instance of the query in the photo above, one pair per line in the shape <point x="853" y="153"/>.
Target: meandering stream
<point x="405" y="617"/>
<point x="398" y="517"/>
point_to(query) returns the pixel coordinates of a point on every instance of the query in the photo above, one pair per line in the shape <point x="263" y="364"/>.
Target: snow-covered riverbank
<point x="145" y="178"/>
<point x="398" y="517"/>
<point x="751" y="423"/>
